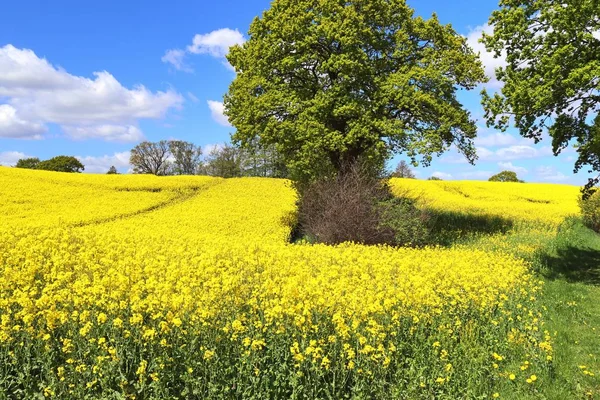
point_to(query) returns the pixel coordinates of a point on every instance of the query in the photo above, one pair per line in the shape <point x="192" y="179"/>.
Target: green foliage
<point x="112" y="170"/>
<point x="410" y="224"/>
<point x="434" y="178"/>
<point x="551" y="77"/>
<point x="186" y="157"/>
<point x="329" y="83"/>
<point x="505" y="176"/>
<point x="61" y="164"/>
<point x="29" y="163"/>
<point x="590" y="210"/>
<point x="224" y="161"/>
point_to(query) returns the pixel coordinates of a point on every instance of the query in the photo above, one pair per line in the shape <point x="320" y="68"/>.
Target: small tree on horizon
<point x="62" y="164"/>
<point x="186" y="157"/>
<point x="150" y="158"/>
<point x="112" y="170"/>
<point x="403" y="170"/>
<point x="28" y="163"/>
<point x="505" y="176"/>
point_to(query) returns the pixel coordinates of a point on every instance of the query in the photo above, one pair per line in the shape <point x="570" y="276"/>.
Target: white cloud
<point x="10" y="158"/>
<point x="12" y="126"/>
<point x="511" y="167"/>
<point x="549" y="173"/>
<point x="490" y="63"/>
<point x="175" y="57"/>
<point x="442" y="175"/>
<point x="499" y="139"/>
<point x="216" y="111"/>
<point x="215" y="43"/>
<point x="111" y="133"/>
<point x="41" y="94"/>
<point x="103" y="163"/>
<point x="510" y="153"/>
<point x="476" y="175"/>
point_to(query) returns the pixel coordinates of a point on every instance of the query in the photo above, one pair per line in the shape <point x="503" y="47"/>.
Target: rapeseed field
<point x="141" y="287"/>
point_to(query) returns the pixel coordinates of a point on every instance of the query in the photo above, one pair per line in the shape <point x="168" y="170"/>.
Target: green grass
<point x="570" y="265"/>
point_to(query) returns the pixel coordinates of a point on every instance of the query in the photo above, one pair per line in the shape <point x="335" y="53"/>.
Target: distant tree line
<point x="177" y="157"/>
<point x="58" y="163"/>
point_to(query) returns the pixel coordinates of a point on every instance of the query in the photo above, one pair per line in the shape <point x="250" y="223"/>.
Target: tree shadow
<point x="449" y="228"/>
<point x="573" y="264"/>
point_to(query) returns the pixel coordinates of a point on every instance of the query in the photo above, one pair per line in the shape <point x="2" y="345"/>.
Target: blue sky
<point x="92" y="79"/>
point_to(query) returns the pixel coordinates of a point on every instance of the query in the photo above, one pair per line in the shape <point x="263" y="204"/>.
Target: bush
<point x="590" y="210"/>
<point x="29" y="163"/>
<point x="409" y="224"/>
<point x="505" y="176"/>
<point x="358" y="207"/>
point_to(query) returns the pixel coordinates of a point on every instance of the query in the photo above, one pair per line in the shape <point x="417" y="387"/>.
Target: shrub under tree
<point x="358" y="207"/>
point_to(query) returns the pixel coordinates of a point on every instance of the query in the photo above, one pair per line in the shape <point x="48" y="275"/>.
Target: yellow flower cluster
<point x="532" y="202"/>
<point x="145" y="284"/>
<point x="43" y="198"/>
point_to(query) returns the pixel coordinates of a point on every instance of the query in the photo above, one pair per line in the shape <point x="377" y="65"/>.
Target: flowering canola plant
<point x="198" y="294"/>
<point x="542" y="203"/>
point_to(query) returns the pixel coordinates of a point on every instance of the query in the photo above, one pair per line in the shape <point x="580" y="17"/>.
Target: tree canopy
<point x="186" y="157"/>
<point x="28" y="163"/>
<point x="505" y="176"/>
<point x="552" y="77"/>
<point x="330" y="82"/>
<point x="58" y="163"/>
<point x="150" y="158"/>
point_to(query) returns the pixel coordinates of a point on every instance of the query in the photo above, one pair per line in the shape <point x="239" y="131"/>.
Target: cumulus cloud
<point x="40" y="93"/>
<point x="215" y="44"/>
<point x="216" y="111"/>
<point x="10" y="158"/>
<point x="442" y="175"/>
<point x="550" y="174"/>
<point x="510" y="153"/>
<point x="12" y="126"/>
<point x="176" y="58"/>
<point x="490" y="63"/>
<point x="500" y="139"/>
<point x="111" y="133"/>
<point x="101" y="164"/>
<point x="511" y="167"/>
<point x="476" y="175"/>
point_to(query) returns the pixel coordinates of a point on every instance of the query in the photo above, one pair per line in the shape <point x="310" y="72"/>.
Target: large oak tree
<point x="330" y="82"/>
